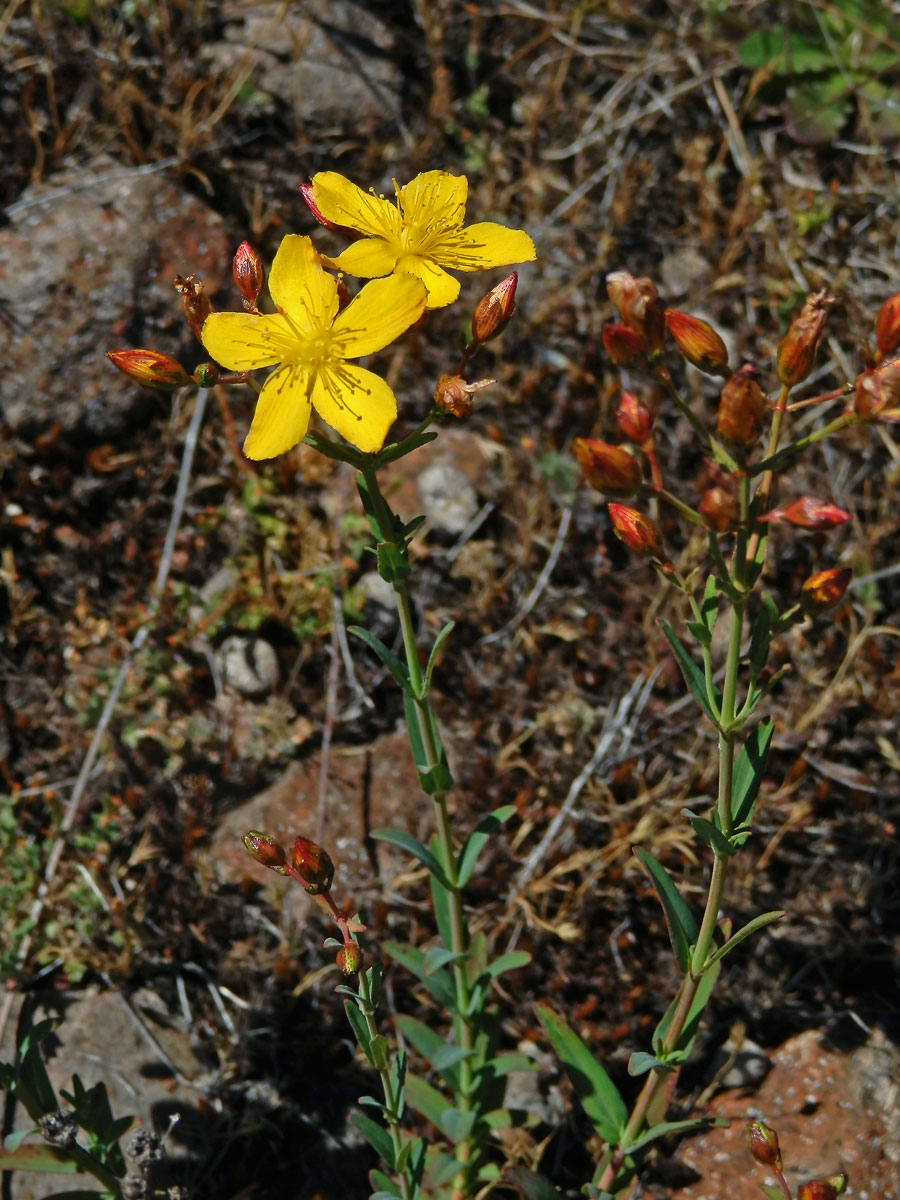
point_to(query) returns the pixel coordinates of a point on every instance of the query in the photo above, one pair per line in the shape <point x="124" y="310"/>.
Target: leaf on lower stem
<point x="679" y="919"/>
<point x="693" y="675"/>
<point x="749" y="769"/>
<point x="377" y="1137"/>
<point x="598" y="1094"/>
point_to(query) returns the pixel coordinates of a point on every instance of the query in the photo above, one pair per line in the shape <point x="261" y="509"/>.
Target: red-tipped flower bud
<point x="825" y="589"/>
<point x="267" y="851"/>
<point x="887" y="325"/>
<point x="634" y="418"/>
<point x="623" y="344"/>
<point x="249" y="275"/>
<point x="313" y="866"/>
<point x="609" y="469"/>
<point x="196" y="304"/>
<point x="809" y="513"/>
<point x="207" y="375"/>
<point x="349" y="958"/>
<point x="454" y="396"/>
<point x="307" y="191"/>
<point x="797" y="351"/>
<point x="742" y="407"/>
<point x="698" y="342"/>
<point x="639" y="306"/>
<point x="877" y="391"/>
<point x="763" y="1143"/>
<point x="818" y="1189"/>
<point x="720" y="508"/>
<point x="150" y="369"/>
<point x="495" y="310"/>
<point x="638" y="532"/>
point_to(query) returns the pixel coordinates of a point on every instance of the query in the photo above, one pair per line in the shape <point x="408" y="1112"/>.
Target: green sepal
<point x="433" y="657"/>
<point x="710" y="835"/>
<point x="598" y="1094"/>
<point x="694" y="677"/>
<point x="377" y="1137"/>
<point x="438" y="982"/>
<point x="392" y="563"/>
<point x="750" y="928"/>
<point x="406" y="841"/>
<point x="478" y="838"/>
<point x="385" y="655"/>
<point x="681" y="924"/>
<point x="749" y="769"/>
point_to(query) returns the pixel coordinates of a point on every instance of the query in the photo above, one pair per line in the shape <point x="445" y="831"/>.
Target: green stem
<point x="775" y="460"/>
<point x="391" y="1103"/>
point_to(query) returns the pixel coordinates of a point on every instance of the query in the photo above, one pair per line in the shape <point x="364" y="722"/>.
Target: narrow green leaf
<point x="438" y="982"/>
<point x="503" y="1064"/>
<point x="681" y="924"/>
<point x="512" y="960"/>
<point x="751" y="927"/>
<point x="399" y="449"/>
<point x="457" y="1124"/>
<point x="436" y="780"/>
<point x="669" y="1128"/>
<point x="385" y="655"/>
<point x="371" y="1102"/>
<point x="413" y="846"/>
<point x="378" y="1052"/>
<point x="383" y="1195"/>
<point x="749" y="769"/>
<point x="478" y="838"/>
<point x="397" y="1077"/>
<point x="531" y="1185"/>
<point x="426" y="1099"/>
<point x="693" y="675"/>
<point x="710" y="836"/>
<point x="598" y="1094"/>
<point x="38" y="1157"/>
<point x="377" y="1137"/>
<point x="434" y="1048"/>
<point x="641" y="1062"/>
<point x="392" y="563"/>
<point x="759" y="641"/>
<point x="336" y="450"/>
<point x="360" y="1029"/>
<point x="773" y="1193"/>
<point x="439" y="956"/>
<point x="442" y="902"/>
<point x="433" y="656"/>
<point x="441" y="1170"/>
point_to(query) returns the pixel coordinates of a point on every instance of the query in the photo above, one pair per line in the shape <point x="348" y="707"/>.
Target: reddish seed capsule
<point x="742" y="407"/>
<point x="454" y="396"/>
<point x="877" y="390"/>
<point x="698" y="342"/>
<point x="313" y="866"/>
<point x="495" y="310"/>
<point x="150" y="369"/>
<point x="719" y="508"/>
<point x="634" y="418"/>
<point x="797" y="351"/>
<point x="638" y="532"/>
<point x="639" y="306"/>
<point x="763" y="1143"/>
<point x="266" y="851"/>
<point x="194" y="301"/>
<point x="609" y="469"/>
<point x="825" y="589"/>
<point x="809" y="513"/>
<point x="249" y="275"/>
<point x="349" y="958"/>
<point x="887" y="325"/>
<point x="817" y="1189"/>
<point x="207" y="375"/>
<point x="623" y="344"/>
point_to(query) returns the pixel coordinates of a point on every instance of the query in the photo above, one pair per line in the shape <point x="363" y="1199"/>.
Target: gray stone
<point x="249" y="665"/>
<point x="449" y="500"/>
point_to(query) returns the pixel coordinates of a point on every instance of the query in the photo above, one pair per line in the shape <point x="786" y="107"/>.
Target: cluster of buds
<point x="313" y="869"/>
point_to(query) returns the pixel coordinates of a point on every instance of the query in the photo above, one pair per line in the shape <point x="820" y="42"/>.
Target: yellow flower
<point x="419" y="235"/>
<point x="307" y="341"/>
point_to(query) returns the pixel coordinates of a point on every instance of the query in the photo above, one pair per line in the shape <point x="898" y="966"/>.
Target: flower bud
<point x="763" y="1143"/>
<point x="207" y="375"/>
<point x="825" y="589"/>
<point x="887" y="325"/>
<point x="249" y="275"/>
<point x="623" y="344"/>
<point x="196" y="304"/>
<point x="313" y="866"/>
<point x="454" y="396"/>
<point x="639" y="306"/>
<point x="809" y="513"/>
<point x="307" y="191"/>
<point x="638" y="532"/>
<point x="349" y="958"/>
<point x="267" y="851"/>
<point x="817" y="1189"/>
<point x="797" y="351"/>
<point x="609" y="469"/>
<point x="495" y="310"/>
<point x="742" y="407"/>
<point x="150" y="369"/>
<point x="634" y="418"/>
<point x="720" y="508"/>
<point x="878" y="390"/>
<point x="698" y="342"/>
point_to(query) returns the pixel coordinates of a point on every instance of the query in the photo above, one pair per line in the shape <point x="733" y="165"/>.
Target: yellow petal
<point x="383" y="310"/>
<point x="342" y="202"/>
<point x="442" y="288"/>
<point x="434" y="197"/>
<point x="355" y="402"/>
<point x="300" y="287"/>
<point x="244" y="341"/>
<point x="282" y="413"/>
<point x="366" y="259"/>
<point x="481" y="246"/>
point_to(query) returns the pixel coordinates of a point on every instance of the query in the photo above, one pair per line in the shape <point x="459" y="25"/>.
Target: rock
<point x="91" y="257"/>
<point x="249" y="665"/>
<point x="832" y="1111"/>
<point x="331" y="60"/>
<point x="449" y="500"/>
